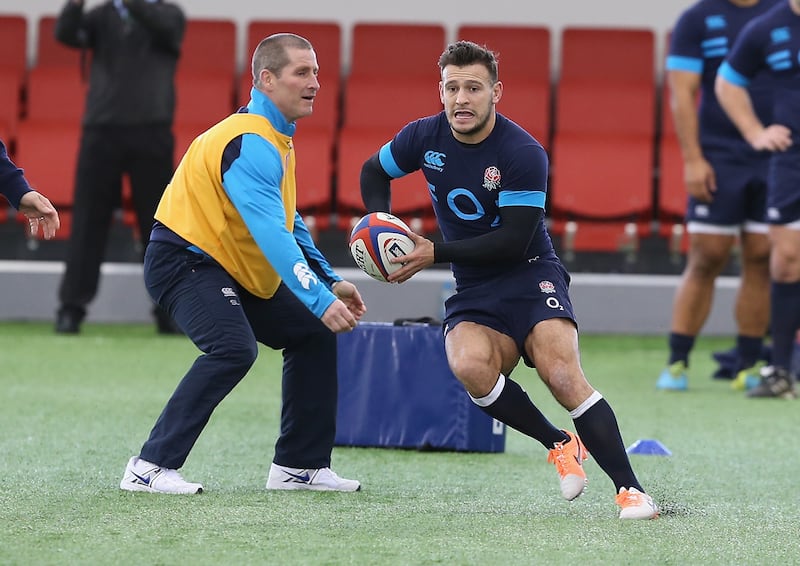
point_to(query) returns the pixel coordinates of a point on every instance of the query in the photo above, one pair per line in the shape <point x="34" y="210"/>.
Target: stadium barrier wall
<point x="604" y="303"/>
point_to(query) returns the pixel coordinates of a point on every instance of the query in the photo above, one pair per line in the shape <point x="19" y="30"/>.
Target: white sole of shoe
<point x="281" y="486"/>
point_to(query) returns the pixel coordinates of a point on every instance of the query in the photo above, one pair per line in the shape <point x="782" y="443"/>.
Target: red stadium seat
<point x="13" y="65"/>
<point x="384" y="50"/>
<point x="57" y="86"/>
<point x="56" y="95"/>
<point x="367" y="129"/>
<point x="410" y="196"/>
<point x="613" y="54"/>
<point x="14" y="43"/>
<point x="524" y="60"/>
<point x="209" y="45"/>
<point x="388" y="86"/>
<point x="314" y="170"/>
<point x="52" y="53"/>
<point x="205" y="79"/>
<point x="10" y="103"/>
<point x="48" y="153"/>
<point x="202" y="99"/>
<point x="603" y="143"/>
<point x="49" y="135"/>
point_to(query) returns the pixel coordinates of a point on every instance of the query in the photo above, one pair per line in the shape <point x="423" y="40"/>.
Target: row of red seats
<point x="599" y="122"/>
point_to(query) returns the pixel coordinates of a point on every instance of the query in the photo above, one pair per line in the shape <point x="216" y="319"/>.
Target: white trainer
<point x="141" y="475"/>
<point x="320" y="479"/>
<point x="635" y="504"/>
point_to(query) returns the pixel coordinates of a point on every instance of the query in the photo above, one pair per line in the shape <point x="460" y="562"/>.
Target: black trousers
<point x="225" y="322"/>
<point x="145" y="153"/>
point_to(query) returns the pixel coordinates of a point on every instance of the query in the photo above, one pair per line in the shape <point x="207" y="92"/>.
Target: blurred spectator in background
<point x="127" y="128"/>
<point x="726" y="185"/>
<point x="36" y="208"/>
<point x="771" y="44"/>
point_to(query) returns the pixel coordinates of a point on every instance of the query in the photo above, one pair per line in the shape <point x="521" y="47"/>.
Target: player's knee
<point x="239" y="356"/>
<point x="561" y="376"/>
<point x="707" y="265"/>
<point x="475" y="376"/>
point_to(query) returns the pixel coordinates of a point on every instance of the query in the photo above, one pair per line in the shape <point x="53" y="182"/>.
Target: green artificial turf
<point x="73" y="409"/>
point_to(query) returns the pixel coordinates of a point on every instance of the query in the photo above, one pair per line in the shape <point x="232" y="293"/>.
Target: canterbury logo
<point x="304" y="275"/>
<point x="435" y="159"/>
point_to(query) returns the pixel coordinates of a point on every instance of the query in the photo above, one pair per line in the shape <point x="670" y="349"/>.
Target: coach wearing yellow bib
<point x="233" y="263"/>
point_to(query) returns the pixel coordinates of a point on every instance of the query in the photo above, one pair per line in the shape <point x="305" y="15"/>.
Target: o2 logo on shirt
<point x="473" y="211"/>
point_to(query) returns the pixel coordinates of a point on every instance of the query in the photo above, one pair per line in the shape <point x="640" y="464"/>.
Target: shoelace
<point x="561" y="460"/>
<point x="629" y="499"/>
<point x="556" y="456"/>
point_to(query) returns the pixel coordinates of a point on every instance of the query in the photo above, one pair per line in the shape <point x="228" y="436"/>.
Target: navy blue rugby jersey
<point x="703" y="36"/>
<point x="469" y="183"/>
<point x="771" y="42"/>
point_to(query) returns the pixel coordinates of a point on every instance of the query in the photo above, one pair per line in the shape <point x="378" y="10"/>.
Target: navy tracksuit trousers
<point x="224" y="321"/>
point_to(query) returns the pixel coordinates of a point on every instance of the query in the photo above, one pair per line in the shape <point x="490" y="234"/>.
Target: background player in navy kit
<point x="771" y="42"/>
<point x="488" y="183"/>
<point x="726" y="184"/>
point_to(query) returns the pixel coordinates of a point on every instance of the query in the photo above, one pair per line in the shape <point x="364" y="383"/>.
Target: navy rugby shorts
<point x="513" y="303"/>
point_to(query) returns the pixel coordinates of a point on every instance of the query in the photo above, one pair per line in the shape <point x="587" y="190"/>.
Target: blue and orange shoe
<point x="673" y="378"/>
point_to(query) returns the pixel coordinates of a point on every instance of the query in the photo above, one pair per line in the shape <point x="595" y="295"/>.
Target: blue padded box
<point x="397" y="391"/>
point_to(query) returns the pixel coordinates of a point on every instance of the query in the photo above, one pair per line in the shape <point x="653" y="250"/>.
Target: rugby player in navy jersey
<point x="725" y="180"/>
<point x="771" y="43"/>
<point x="487" y="178"/>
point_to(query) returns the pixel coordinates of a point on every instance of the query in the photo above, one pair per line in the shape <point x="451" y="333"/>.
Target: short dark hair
<point x="463" y="53"/>
<point x="271" y="53"/>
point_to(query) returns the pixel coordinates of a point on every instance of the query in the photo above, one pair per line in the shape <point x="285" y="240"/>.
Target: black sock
<point x="679" y="347"/>
<point x="749" y="350"/>
<point x="514" y="408"/>
<point x="785" y="320"/>
<point x="597" y="428"/>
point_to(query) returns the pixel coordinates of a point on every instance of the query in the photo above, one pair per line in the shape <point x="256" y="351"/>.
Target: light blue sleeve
<point x="388" y="163"/>
<point x="252" y="182"/>
<point x="312" y="254"/>
<point x="690" y="64"/>
<point x="732" y="76"/>
<point x="534" y="199"/>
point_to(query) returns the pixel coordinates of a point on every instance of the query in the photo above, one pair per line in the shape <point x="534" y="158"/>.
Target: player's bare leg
<point x="482" y="359"/>
<point x="707" y="257"/>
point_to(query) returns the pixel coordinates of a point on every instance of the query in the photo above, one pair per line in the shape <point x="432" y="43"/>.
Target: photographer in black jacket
<point x="134" y="46"/>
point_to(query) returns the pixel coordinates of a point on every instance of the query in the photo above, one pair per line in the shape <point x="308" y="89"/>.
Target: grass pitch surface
<point x="75" y="408"/>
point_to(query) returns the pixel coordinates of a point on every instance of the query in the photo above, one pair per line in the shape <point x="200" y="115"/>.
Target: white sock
<point x="583" y="407"/>
<point x="493" y="394"/>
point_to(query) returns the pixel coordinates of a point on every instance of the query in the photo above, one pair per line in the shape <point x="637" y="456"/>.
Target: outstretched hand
<point x="349" y="295"/>
<point x="40" y="212"/>
<point x="343" y="314"/>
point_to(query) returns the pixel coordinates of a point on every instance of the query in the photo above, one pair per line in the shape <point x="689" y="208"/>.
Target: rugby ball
<point x="377" y="237"/>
